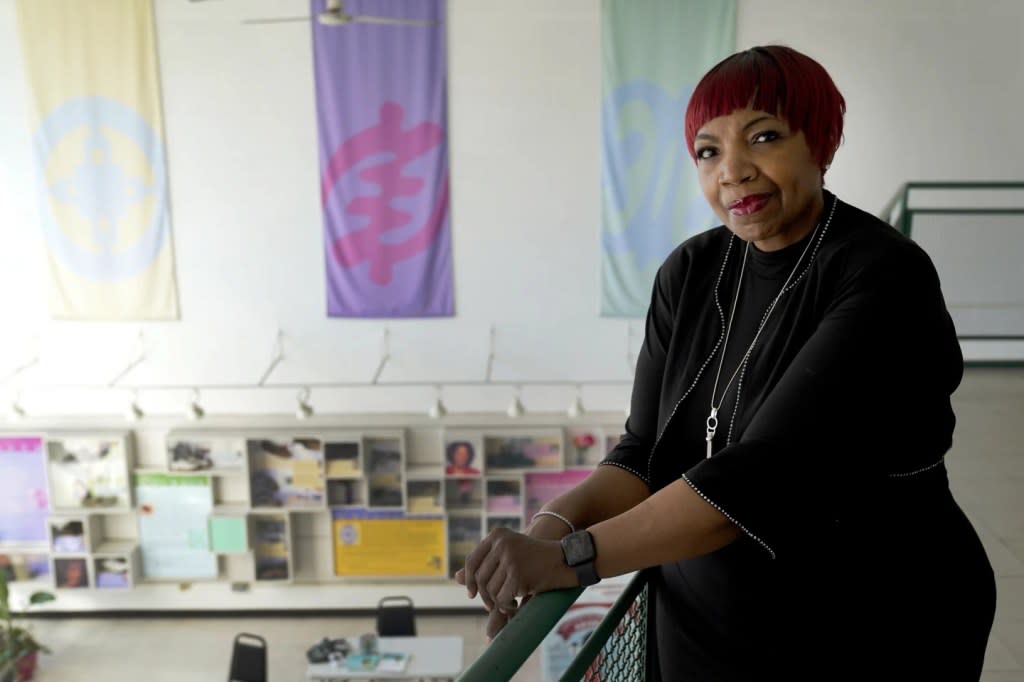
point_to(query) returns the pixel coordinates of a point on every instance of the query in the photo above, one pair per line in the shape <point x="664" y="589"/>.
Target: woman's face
<point x="460" y="456"/>
<point x="759" y="177"/>
<point x="74" y="573"/>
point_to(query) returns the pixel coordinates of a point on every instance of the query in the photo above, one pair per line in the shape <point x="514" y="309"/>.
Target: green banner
<point x="654" y="52"/>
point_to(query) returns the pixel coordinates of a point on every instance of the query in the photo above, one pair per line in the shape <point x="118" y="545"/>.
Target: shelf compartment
<point x="342" y="460"/>
<point x="286" y="473"/>
<point x="424" y="496"/>
<point x="89" y="473"/>
<point x="270" y="535"/>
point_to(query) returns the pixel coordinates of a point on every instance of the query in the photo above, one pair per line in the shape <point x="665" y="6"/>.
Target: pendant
<point x="712" y="427"/>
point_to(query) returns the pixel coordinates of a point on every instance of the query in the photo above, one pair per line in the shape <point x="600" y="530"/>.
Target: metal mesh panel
<point x="623" y="656"/>
<point x="615" y="651"/>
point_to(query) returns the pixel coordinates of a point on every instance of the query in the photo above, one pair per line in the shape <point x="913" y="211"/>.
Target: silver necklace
<point x="712" y="423"/>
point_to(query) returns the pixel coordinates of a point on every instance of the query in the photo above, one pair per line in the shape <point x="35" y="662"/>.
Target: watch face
<point x="578" y="547"/>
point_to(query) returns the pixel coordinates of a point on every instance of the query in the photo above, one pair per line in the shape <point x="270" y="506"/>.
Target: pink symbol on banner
<point x="401" y="146"/>
<point x="38" y="496"/>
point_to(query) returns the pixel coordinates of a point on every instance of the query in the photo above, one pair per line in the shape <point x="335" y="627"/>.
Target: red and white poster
<point x="566" y="639"/>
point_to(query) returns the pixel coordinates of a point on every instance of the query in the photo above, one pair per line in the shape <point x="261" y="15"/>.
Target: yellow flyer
<point x="372" y="543"/>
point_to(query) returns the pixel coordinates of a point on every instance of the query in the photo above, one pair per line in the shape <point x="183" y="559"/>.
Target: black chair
<point x="395" y="617"/>
<point x="248" y="659"/>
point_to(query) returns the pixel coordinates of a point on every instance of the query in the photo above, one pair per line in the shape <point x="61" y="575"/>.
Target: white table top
<point x="428" y="657"/>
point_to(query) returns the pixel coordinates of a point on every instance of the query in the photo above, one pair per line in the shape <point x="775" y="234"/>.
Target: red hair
<point x="778" y="80"/>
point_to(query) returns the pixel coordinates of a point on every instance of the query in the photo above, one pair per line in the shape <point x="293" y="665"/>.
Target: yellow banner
<point x="372" y="547"/>
<point x="98" y="137"/>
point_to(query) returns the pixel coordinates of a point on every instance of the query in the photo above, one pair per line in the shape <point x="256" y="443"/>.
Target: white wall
<point x="933" y="88"/>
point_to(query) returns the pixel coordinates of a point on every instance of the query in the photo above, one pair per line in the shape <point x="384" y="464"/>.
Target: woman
<point x="782" y="462"/>
<point x="460" y="458"/>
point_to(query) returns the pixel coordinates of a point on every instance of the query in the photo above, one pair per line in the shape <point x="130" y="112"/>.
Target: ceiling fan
<point x="335" y="15"/>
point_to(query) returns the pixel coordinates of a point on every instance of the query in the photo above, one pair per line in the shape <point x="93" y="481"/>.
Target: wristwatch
<point x="580" y="554"/>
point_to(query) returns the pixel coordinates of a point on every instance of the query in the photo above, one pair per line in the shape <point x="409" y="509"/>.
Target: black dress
<point x="854" y="562"/>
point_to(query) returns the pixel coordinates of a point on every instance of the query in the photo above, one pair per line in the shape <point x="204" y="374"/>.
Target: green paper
<point x="227" y="534"/>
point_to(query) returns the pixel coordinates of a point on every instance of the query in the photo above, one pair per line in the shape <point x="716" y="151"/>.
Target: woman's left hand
<point x="508" y="564"/>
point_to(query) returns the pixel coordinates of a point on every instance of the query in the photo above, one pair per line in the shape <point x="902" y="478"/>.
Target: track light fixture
<point x="194" y="411"/>
<point x="15" y="413"/>
<point x="515" y="408"/>
<point x="304" y="410"/>
<point x="133" y="412"/>
<point x="437" y="410"/>
<point x="576" y="406"/>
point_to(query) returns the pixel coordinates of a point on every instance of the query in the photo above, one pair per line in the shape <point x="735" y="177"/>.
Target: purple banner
<point x="381" y="97"/>
<point x="24" y="502"/>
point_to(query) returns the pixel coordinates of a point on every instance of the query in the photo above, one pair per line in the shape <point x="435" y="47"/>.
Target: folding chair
<point x="248" y="659"/>
<point x="395" y="617"/>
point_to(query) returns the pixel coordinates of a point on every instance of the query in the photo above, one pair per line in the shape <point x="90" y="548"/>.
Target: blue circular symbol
<point x="654" y="162"/>
<point x="349" y="534"/>
<point x="101" y="190"/>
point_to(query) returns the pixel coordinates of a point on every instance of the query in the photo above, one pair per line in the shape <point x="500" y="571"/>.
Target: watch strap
<point x="580" y="554"/>
<point x="586" y="573"/>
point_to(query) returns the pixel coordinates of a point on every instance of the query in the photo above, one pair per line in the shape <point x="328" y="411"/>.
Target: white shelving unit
<point x="281" y="502"/>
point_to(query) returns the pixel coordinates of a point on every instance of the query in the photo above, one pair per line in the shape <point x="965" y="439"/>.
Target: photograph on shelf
<point x="68" y="536"/>
<point x="464" y="493"/>
<point x="70" y="573"/>
<point x="386" y="543"/>
<point x="89" y="473"/>
<point x="383" y="455"/>
<point x="464" y="533"/>
<point x="423" y="497"/>
<point x="384" y="490"/>
<point x="345" y="493"/>
<point x="584" y="447"/>
<point x="24" y="501"/>
<point x="17" y="567"/>
<point x="460" y="458"/>
<point x="286" y="473"/>
<point x="173" y="534"/>
<point x="270" y="545"/>
<point x="511" y="522"/>
<point x="196" y="453"/>
<point x="541" y="488"/>
<point x="112" y="572"/>
<point x="342" y="460"/>
<point x="523" y="453"/>
<point x="504" y="496"/>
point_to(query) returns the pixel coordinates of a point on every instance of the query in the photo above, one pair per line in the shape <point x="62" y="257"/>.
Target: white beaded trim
<point x="768" y="311"/>
<point x="700" y="372"/>
<point x="630" y="470"/>
<point x="714" y="351"/>
<point x="731" y="519"/>
<point x="915" y="472"/>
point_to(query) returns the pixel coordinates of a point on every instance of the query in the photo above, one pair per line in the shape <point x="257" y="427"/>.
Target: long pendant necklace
<point x="712" y="423"/>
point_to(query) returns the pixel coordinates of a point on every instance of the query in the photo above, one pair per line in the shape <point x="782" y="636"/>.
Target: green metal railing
<point x="899" y="213"/>
<point x="615" y="652"/>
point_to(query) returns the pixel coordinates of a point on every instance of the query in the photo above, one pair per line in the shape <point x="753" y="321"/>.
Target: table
<point x="429" y="657"/>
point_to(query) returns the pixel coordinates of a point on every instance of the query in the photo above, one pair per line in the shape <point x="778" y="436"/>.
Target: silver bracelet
<point x="572" y="528"/>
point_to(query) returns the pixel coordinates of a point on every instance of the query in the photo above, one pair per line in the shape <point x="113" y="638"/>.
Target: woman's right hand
<point x="606" y="492"/>
<point x="497" y="619"/>
<point x="544" y="528"/>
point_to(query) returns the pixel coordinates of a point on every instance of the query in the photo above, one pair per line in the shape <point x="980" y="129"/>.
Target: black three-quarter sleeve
<point x="633" y="450"/>
<point x="865" y="397"/>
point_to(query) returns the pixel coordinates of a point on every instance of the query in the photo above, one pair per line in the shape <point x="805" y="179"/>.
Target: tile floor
<point x="986" y="467"/>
